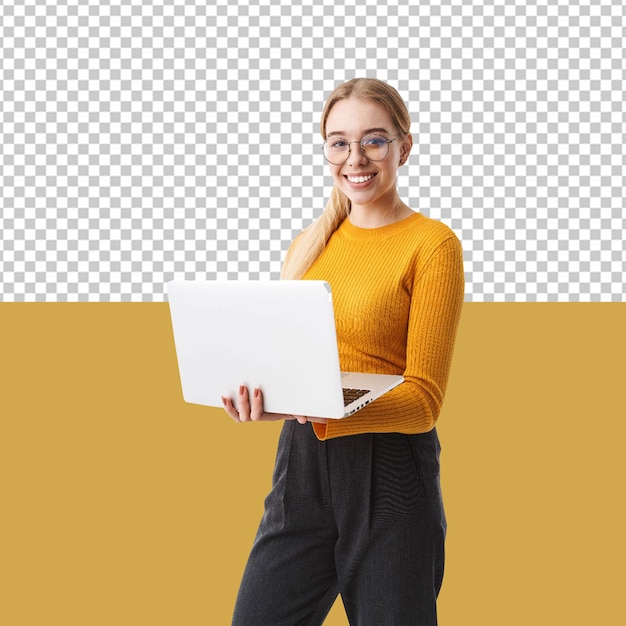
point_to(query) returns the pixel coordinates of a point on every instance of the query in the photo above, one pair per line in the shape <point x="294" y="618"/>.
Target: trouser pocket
<point x="397" y="484"/>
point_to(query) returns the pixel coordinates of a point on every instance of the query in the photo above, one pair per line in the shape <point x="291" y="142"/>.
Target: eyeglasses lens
<point x="374" y="147"/>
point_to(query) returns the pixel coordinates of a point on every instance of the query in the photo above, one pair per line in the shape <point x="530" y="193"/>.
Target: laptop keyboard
<point x="349" y="395"/>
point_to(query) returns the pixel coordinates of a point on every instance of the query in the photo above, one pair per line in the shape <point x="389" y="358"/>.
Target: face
<point x="368" y="184"/>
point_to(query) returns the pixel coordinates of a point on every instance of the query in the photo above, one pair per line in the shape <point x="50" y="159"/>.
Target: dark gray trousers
<point x="361" y="516"/>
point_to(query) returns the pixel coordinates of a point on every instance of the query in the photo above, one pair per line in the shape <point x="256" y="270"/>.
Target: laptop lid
<point x="277" y="335"/>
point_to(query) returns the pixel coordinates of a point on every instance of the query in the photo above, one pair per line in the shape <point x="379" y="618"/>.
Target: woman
<point x="355" y="508"/>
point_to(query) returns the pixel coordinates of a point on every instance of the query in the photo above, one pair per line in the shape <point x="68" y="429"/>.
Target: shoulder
<point x="427" y="235"/>
<point x="430" y="228"/>
<point x="434" y="247"/>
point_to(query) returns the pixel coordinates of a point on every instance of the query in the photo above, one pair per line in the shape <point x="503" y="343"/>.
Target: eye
<point x="374" y="140"/>
<point x="339" y="142"/>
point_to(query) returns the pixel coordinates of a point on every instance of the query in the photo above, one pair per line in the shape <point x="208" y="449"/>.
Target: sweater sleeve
<point x="414" y="405"/>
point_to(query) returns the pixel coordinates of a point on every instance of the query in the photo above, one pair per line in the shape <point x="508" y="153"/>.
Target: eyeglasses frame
<point x="360" y="142"/>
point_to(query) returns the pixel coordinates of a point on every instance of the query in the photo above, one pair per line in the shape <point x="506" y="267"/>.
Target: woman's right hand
<point x="251" y="408"/>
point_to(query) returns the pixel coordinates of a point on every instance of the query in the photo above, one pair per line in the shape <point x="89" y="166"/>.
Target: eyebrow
<point x="367" y="132"/>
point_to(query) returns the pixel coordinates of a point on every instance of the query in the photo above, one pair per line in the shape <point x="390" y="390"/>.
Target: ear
<point x="405" y="148"/>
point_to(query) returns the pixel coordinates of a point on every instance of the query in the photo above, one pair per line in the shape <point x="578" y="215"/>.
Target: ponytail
<point x="311" y="242"/>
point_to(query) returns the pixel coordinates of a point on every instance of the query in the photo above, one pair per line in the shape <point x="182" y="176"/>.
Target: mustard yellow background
<point x="121" y="504"/>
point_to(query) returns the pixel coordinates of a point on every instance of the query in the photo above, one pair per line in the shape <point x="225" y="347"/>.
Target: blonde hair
<point x="313" y="239"/>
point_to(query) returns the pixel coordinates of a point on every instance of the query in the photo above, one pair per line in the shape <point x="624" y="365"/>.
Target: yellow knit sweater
<point x="397" y="292"/>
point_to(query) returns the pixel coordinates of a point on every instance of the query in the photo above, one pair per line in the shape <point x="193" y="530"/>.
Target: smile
<point x="360" y="179"/>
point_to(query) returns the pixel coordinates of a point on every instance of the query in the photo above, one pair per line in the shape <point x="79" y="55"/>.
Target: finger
<point x="257" y="411"/>
<point x="244" y="404"/>
<point x="230" y="409"/>
<point x="302" y="419"/>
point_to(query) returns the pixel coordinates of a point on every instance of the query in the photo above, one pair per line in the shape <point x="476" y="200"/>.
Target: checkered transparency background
<point x="142" y="141"/>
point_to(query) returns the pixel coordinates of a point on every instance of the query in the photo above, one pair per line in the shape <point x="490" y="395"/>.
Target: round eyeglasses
<point x="373" y="147"/>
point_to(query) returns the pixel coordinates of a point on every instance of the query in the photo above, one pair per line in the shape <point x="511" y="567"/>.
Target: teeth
<point x="360" y="179"/>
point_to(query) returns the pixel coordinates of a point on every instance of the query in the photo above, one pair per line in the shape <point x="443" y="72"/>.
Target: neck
<point x="365" y="216"/>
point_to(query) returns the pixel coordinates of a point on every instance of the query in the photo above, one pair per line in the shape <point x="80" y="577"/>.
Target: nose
<point x="356" y="155"/>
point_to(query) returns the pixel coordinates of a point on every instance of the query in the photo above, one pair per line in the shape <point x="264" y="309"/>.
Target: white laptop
<point x="276" y="335"/>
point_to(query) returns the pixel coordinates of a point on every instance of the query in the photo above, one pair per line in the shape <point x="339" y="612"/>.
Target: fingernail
<point x="241" y="388"/>
<point x="256" y="392"/>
